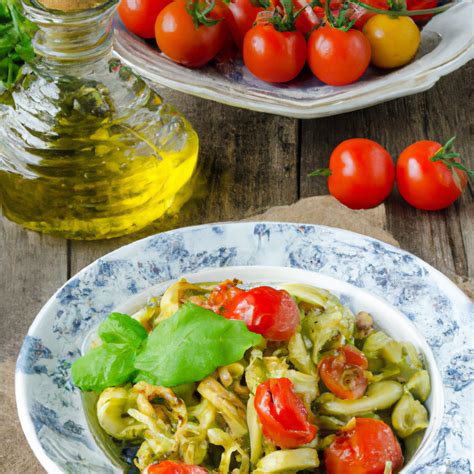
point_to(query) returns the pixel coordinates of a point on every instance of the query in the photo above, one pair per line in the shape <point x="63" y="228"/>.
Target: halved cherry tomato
<point x="343" y="373"/>
<point x="424" y="183"/>
<point x="364" y="450"/>
<point x="282" y="414"/>
<point x="338" y="57"/>
<point x="241" y="17"/>
<point x="266" y="311"/>
<point x="222" y="295"/>
<point x="139" y="16"/>
<point x="171" y="467"/>
<point x="362" y="173"/>
<point x="178" y="37"/>
<point x="274" y="56"/>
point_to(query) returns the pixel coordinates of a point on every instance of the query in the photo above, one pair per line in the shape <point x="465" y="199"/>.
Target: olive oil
<point x="88" y="150"/>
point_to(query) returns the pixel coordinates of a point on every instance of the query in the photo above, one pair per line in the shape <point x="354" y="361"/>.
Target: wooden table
<point x="253" y="161"/>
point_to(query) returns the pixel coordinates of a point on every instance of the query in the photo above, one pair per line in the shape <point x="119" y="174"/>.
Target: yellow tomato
<point x="394" y="40"/>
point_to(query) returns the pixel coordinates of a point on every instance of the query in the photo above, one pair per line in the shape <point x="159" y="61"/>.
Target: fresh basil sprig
<point x="15" y="41"/>
<point x="184" y="348"/>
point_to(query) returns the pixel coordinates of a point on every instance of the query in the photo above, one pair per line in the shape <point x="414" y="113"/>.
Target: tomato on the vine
<point x="282" y="414"/>
<point x="421" y="5"/>
<point x="266" y="311"/>
<point x="362" y="15"/>
<point x="241" y="15"/>
<point x="364" y="450"/>
<point x="343" y="373"/>
<point x="394" y="40"/>
<point x="172" y="467"/>
<point x="274" y="50"/>
<point x="361" y="173"/>
<point x="139" y="16"/>
<point x="430" y="176"/>
<point x="190" y="32"/>
<point x="337" y="57"/>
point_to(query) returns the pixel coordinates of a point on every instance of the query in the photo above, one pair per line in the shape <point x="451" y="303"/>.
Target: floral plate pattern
<point x="446" y="44"/>
<point x="50" y="408"/>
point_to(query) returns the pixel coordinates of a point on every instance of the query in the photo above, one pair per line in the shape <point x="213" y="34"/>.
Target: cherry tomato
<point x="364" y="450"/>
<point x="139" y="16"/>
<point x="427" y="184"/>
<point x="338" y="57"/>
<point x="222" y="295"/>
<point x="361" y="173"/>
<point x="263" y="44"/>
<point x="308" y="19"/>
<point x="363" y="15"/>
<point x="180" y="40"/>
<point x="394" y="40"/>
<point x="241" y="15"/>
<point x="266" y="311"/>
<point x="282" y="414"/>
<point x="343" y="373"/>
<point x="171" y="467"/>
<point x="421" y="5"/>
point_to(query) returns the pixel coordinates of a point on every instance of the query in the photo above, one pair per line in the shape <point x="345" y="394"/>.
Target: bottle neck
<point x="72" y="39"/>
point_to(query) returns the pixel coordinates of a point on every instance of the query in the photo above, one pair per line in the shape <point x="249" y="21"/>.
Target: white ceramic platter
<point x="447" y="44"/>
<point x="408" y="298"/>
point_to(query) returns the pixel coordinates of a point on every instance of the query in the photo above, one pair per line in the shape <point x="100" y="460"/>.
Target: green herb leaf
<point x="122" y="329"/>
<point x="15" y="42"/>
<point x="105" y="366"/>
<point x="191" y="345"/>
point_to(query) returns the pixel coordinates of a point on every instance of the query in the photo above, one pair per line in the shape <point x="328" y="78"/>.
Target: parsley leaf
<point x="15" y="42"/>
<point x="190" y="345"/>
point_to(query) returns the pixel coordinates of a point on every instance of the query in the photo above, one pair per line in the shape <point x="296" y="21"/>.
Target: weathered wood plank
<point x="249" y="162"/>
<point x="445" y="238"/>
<point x="32" y="267"/>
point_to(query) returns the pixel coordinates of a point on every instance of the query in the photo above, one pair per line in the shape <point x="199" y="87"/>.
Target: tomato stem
<point x="431" y="11"/>
<point x="199" y="15"/>
<point x="452" y="161"/>
<point x="321" y="172"/>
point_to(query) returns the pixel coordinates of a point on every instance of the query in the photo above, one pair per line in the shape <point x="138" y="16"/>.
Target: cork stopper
<point x="70" y="5"/>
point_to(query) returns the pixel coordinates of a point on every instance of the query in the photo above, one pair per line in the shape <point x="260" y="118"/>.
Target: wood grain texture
<point x="248" y="162"/>
<point x="32" y="268"/>
<point x="444" y="239"/>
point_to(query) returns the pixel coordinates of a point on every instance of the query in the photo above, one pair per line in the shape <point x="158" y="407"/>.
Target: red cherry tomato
<point x="364" y="450"/>
<point x="421" y="5"/>
<point x="343" y="373"/>
<point x="266" y="311"/>
<point x="363" y="15"/>
<point x="180" y="40"/>
<point x="282" y="414"/>
<point x="274" y="56"/>
<point x="171" y="467"/>
<point x="362" y="173"/>
<point x="308" y="19"/>
<point x="241" y="15"/>
<point x="139" y="16"/>
<point x="338" y="57"/>
<point x="427" y="184"/>
<point x="222" y="295"/>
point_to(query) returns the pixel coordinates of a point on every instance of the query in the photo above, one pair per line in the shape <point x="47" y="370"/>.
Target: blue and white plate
<point x="365" y="273"/>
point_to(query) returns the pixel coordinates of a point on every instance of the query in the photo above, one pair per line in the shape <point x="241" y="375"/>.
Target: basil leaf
<point x="122" y="329"/>
<point x="190" y="345"/>
<point x="105" y="366"/>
